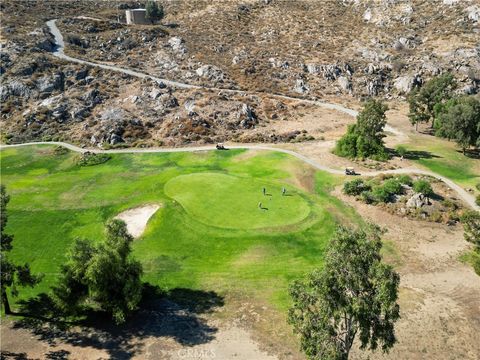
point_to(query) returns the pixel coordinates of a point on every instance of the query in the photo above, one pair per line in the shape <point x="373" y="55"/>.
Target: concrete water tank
<point x="136" y="16"/>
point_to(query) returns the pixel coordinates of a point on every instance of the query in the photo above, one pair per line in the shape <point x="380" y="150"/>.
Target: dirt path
<point x="60" y="53"/>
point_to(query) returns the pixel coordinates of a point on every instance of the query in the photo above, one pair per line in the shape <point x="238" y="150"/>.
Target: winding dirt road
<point x="60" y="53"/>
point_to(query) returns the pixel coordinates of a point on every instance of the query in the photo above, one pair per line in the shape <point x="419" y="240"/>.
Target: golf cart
<point x="350" y="171"/>
<point x="220" y="146"/>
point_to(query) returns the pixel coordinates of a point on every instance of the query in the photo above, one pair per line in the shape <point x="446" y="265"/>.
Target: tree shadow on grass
<point x="420" y="154"/>
<point x="174" y="314"/>
<point x="471" y="153"/>
<point x="412" y="154"/>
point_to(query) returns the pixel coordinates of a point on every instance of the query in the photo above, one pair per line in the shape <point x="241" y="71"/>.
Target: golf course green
<point x="210" y="232"/>
<point x="238" y="203"/>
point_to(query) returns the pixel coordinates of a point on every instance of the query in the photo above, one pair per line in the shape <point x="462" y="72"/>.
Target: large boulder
<point x="405" y="84"/>
<point x="113" y="115"/>
<point x="167" y="101"/>
<point x="45" y="44"/>
<point x="344" y="83"/>
<point x="247" y="117"/>
<point x="79" y="113"/>
<point x="48" y="84"/>
<point x="374" y="86"/>
<point x="15" y="88"/>
<point x="177" y="44"/>
<point x="473" y="13"/>
<point x="81" y="74"/>
<point x="92" y="97"/>
<point x="417" y="201"/>
<point x="301" y="87"/>
<point x="60" y="113"/>
<point x="312" y="68"/>
<point x="210" y="72"/>
<point x="331" y="72"/>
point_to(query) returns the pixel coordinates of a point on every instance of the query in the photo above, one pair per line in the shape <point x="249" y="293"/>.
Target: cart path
<point x="464" y="195"/>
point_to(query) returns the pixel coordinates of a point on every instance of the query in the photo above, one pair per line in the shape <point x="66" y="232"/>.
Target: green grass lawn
<point x="209" y="233"/>
<point x="447" y="160"/>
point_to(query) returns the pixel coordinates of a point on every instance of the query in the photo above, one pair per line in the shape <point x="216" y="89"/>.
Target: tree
<point x="402" y="151"/>
<point x="423" y="187"/>
<point x="459" y="119"/>
<point x="355" y="293"/>
<point x="12" y="275"/>
<point x="365" y="138"/>
<point x="422" y="101"/>
<point x="355" y="187"/>
<point x="104" y="274"/>
<point x="471" y="226"/>
<point x="154" y="11"/>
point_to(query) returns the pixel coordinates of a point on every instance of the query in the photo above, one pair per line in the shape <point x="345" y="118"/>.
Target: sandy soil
<point x="229" y="343"/>
<point x="137" y="218"/>
<point x="163" y="334"/>
<point x="439" y="296"/>
<point x="319" y="122"/>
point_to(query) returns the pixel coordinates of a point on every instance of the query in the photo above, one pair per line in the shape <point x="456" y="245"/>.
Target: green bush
<point x="405" y="180"/>
<point x="477" y="200"/>
<point x="401" y="150"/>
<point x="436" y="216"/>
<point x="449" y="204"/>
<point x="381" y="194"/>
<point x="347" y="145"/>
<point x="476" y="265"/>
<point x="424" y="187"/>
<point x="393" y="186"/>
<point x="355" y="187"/>
<point x="90" y="159"/>
<point x="386" y="191"/>
<point x="368" y="197"/>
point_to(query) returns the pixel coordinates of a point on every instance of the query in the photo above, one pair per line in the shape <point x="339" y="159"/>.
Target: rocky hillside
<point x="340" y="49"/>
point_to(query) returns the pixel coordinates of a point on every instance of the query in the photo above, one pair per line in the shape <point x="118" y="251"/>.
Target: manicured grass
<point x="228" y="201"/>
<point x="209" y="234"/>
<point x="445" y="159"/>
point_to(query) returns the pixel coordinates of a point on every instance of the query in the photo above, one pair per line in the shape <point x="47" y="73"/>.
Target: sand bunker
<point x="137" y="218"/>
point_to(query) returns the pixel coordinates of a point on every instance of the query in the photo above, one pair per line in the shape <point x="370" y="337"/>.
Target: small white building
<point x="136" y="16"/>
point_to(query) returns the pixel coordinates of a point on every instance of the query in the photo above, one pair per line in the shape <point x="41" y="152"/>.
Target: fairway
<point x="445" y="158"/>
<point x="208" y="234"/>
<point x="232" y="202"/>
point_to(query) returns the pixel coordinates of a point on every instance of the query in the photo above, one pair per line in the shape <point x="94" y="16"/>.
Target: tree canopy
<point x="12" y="275"/>
<point x="471" y="225"/>
<point x="459" y="120"/>
<point x="423" y="187"/>
<point x="354" y="294"/>
<point x="104" y="274"/>
<point x="422" y="101"/>
<point x="365" y="138"/>
<point x="154" y="11"/>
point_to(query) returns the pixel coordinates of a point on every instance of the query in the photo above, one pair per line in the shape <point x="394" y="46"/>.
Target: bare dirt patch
<point x="137" y="218"/>
<point x="439" y="296"/>
<point x="230" y="343"/>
